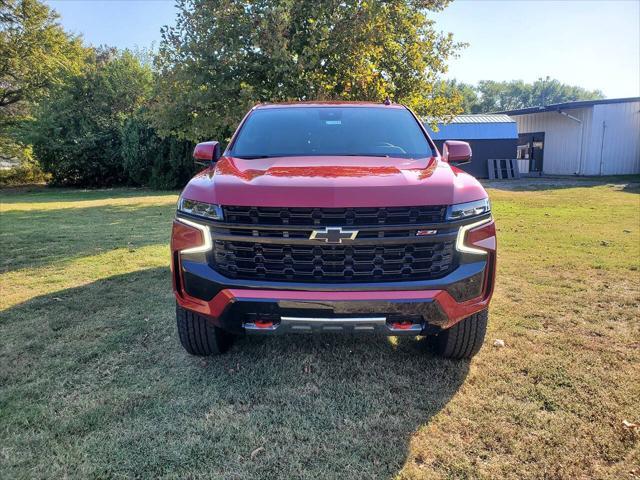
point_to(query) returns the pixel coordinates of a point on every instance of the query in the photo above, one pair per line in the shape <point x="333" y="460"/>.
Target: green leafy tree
<point x="76" y="134"/>
<point x="23" y="168"/>
<point x="223" y="56"/>
<point x="153" y="161"/>
<point x="35" y="52"/>
<point x="466" y="92"/>
<point x="499" y="96"/>
<point x="545" y="91"/>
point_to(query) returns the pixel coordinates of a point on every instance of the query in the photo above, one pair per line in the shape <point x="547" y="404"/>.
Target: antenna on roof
<point x="387" y="101"/>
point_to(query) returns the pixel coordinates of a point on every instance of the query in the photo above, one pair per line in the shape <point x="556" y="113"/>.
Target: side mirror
<point x="206" y="153"/>
<point x="456" y="152"/>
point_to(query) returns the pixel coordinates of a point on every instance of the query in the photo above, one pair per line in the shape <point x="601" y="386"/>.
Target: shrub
<point x="76" y="134"/>
<point x="17" y="166"/>
<point x="26" y="173"/>
<point x="149" y="160"/>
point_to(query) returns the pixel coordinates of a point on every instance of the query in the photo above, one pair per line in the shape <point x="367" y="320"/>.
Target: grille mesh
<point x="334" y="216"/>
<point x="313" y="261"/>
<point x="333" y="263"/>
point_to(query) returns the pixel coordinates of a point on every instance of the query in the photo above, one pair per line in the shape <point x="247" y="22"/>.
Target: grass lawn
<point x="93" y="381"/>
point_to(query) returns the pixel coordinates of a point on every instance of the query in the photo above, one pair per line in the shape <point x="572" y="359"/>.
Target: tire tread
<point x="198" y="336"/>
<point x="465" y="338"/>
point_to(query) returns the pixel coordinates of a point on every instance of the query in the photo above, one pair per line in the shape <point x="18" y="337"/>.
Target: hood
<point x="328" y="181"/>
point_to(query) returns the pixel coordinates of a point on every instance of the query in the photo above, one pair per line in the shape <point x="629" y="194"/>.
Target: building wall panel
<point x="607" y="142"/>
<point x="563" y="141"/>
<point x="614" y="143"/>
<point x="483" y="150"/>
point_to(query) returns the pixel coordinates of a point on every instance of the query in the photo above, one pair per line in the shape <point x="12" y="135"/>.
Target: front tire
<point x="464" y="339"/>
<point x="198" y="336"/>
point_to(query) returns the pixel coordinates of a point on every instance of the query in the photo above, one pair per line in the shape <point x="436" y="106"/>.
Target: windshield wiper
<point x="362" y="155"/>
<point x="251" y="157"/>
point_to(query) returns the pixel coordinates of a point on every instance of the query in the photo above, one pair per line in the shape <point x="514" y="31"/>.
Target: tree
<point x="546" y="91"/>
<point x="467" y="93"/>
<point x="500" y="96"/>
<point x="76" y="135"/>
<point x="224" y="56"/>
<point x="153" y="161"/>
<point x="34" y="52"/>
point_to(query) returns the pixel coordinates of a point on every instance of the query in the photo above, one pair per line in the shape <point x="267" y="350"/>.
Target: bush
<point x="27" y="173"/>
<point x="22" y="168"/>
<point x="76" y="134"/>
<point x="149" y="160"/>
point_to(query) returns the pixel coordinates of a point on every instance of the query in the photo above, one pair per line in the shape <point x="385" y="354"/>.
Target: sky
<point x="594" y="44"/>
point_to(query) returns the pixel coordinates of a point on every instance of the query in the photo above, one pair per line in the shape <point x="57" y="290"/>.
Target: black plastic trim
<point x="452" y="224"/>
<point x="425" y="312"/>
<point x="437" y="238"/>
<point x="200" y="272"/>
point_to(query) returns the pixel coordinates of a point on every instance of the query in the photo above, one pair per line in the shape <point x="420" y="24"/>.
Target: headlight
<point x="468" y="210"/>
<point x="201" y="209"/>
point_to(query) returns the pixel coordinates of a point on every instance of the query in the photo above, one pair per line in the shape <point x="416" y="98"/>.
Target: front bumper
<point x="394" y="308"/>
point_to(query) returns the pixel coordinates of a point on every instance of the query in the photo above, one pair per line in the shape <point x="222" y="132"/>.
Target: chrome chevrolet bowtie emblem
<point x="333" y="235"/>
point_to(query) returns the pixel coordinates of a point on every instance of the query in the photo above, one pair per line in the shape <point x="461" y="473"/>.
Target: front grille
<point x="273" y="244"/>
<point x="333" y="263"/>
<point x="334" y="216"/>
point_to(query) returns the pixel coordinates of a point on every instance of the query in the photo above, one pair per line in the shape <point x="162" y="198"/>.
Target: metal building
<point x="490" y="136"/>
<point x="596" y="137"/>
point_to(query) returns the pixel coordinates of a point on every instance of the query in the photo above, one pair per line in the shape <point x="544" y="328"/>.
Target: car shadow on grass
<point x="96" y="384"/>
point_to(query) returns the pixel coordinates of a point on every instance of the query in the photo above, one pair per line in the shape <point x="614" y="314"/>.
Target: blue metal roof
<point x="476" y="127"/>
<point x="482" y="118"/>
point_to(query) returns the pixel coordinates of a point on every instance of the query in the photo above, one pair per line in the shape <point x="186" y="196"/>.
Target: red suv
<point x="333" y="217"/>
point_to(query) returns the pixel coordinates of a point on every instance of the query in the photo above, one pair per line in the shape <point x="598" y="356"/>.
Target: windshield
<point x="305" y="131"/>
